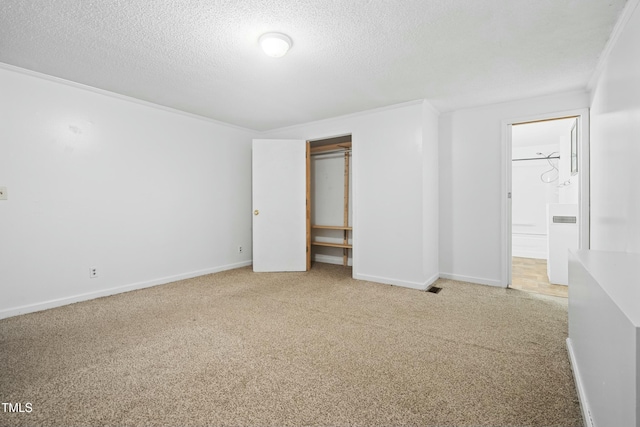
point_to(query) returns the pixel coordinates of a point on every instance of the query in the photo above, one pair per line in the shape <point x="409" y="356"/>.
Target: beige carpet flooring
<point x="289" y="349"/>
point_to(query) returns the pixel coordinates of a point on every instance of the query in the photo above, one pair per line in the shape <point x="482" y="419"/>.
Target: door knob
<point x="256" y="212"/>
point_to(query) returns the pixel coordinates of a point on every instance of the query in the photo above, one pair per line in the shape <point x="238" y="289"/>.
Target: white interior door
<point x="279" y="205"/>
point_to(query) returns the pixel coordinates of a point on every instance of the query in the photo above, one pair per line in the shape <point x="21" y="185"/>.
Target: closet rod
<point x="341" y="150"/>
<point x="535" y="158"/>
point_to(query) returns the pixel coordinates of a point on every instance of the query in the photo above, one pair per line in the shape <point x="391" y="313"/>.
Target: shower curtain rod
<point x="536" y="158"/>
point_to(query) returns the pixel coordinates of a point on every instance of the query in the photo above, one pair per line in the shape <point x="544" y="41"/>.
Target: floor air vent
<point x="434" y="289"/>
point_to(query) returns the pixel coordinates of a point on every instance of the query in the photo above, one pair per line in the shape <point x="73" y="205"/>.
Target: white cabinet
<point x="562" y="236"/>
<point x="604" y="335"/>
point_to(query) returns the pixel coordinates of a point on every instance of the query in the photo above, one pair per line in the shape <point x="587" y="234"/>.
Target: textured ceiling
<point x="203" y="57"/>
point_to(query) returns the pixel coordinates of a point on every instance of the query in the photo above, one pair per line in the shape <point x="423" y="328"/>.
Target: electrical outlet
<point x="93" y="272"/>
<point x="3" y="193"/>
<point x="240" y="249"/>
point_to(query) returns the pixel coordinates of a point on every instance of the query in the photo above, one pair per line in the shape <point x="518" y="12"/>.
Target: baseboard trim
<point x="470" y="279"/>
<point x="431" y="280"/>
<point x="582" y="396"/>
<point x="45" y="305"/>
<point x="422" y="286"/>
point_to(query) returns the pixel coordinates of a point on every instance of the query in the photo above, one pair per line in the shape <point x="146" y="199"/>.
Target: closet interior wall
<point x="331" y="201"/>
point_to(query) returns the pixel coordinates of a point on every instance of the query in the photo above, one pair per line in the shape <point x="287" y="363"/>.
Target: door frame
<point x="584" y="221"/>
<point x="308" y="201"/>
<point x="354" y="165"/>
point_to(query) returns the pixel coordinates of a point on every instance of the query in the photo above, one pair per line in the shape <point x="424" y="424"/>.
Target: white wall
<point x="327" y="205"/>
<point x="430" y="193"/>
<point x="471" y="184"/>
<point x="615" y="145"/>
<point x="391" y="224"/>
<point x="603" y="321"/>
<point x="144" y="194"/>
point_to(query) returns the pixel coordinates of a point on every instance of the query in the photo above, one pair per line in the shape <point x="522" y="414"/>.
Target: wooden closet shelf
<point x="332" y="245"/>
<point x="332" y="227"/>
<point x="332" y="147"/>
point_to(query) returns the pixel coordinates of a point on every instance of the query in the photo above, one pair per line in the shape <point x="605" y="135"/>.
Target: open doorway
<point x="546" y="189"/>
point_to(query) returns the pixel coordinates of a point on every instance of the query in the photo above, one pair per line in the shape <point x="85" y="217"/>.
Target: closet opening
<point x="330" y="198"/>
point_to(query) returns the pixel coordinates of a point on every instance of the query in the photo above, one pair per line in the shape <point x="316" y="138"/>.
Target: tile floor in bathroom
<point x="530" y="274"/>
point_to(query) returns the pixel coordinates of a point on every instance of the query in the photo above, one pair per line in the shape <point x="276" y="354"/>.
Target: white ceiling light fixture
<point x="275" y="44"/>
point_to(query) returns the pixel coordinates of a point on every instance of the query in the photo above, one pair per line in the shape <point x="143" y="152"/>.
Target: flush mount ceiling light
<point x="275" y="44"/>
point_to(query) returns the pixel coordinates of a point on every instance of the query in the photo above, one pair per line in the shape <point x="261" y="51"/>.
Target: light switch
<point x="3" y="193"/>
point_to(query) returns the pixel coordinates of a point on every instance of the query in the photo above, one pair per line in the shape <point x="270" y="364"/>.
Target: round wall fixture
<point x="275" y="44"/>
